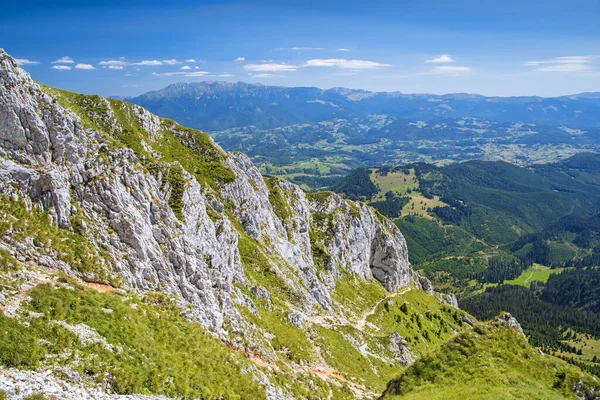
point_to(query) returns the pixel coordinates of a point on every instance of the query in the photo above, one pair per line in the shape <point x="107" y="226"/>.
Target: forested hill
<point x="488" y="220"/>
<point x="505" y="238"/>
<point x="536" y="196"/>
<point x="497" y="200"/>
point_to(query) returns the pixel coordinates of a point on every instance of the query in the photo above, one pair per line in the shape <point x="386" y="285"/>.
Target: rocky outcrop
<point x="59" y="154"/>
<point x="507" y="320"/>
<point x="158" y="207"/>
<point x="19" y="385"/>
<point x="449" y="299"/>
<point x="399" y="348"/>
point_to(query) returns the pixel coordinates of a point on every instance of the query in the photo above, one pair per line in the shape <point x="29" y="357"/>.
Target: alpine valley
<point x="139" y="260"/>
<point x="313" y="137"/>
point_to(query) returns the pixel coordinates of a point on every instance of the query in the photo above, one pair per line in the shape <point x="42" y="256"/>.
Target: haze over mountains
<point x="313" y="137"/>
<point x="218" y="105"/>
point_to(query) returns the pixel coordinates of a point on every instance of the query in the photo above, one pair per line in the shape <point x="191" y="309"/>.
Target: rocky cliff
<point x="105" y="192"/>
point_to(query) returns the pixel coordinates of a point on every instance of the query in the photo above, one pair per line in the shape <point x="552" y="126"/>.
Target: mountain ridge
<point x="99" y="193"/>
<point x="313" y="136"/>
<point x="136" y="255"/>
<point x="341" y="89"/>
<point x="290" y="104"/>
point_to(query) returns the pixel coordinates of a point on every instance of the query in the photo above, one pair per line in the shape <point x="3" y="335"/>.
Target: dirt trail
<point x="31" y="280"/>
<point x="12" y="306"/>
<point x="360" y="324"/>
<point x="322" y="369"/>
<point x="99" y="287"/>
<point x="328" y="321"/>
<point x="529" y="277"/>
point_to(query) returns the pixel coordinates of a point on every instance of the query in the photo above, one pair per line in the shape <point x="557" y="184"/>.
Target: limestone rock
<point x="449" y="299"/>
<point x="182" y="237"/>
<point x="506" y="319"/>
<point x="399" y="348"/>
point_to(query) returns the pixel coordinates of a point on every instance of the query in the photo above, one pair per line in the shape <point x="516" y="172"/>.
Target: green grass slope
<point x="154" y="350"/>
<point x="490" y="362"/>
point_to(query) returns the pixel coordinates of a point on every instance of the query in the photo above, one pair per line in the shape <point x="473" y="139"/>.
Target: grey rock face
<point x="47" y="157"/>
<point x="399" y="348"/>
<point x="449" y="299"/>
<point x="509" y="321"/>
<point x="52" y="160"/>
<point x="296" y="318"/>
<point x="468" y="320"/>
<point x="422" y="282"/>
<point x="21" y="384"/>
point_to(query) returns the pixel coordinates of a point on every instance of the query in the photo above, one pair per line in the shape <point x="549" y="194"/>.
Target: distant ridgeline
<point x="544" y="214"/>
<point x="314" y="137"/>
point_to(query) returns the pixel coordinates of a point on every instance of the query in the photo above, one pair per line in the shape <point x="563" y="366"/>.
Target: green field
<point x="536" y="272"/>
<point x="590" y="348"/>
<point x="395" y="181"/>
<point x="404" y="184"/>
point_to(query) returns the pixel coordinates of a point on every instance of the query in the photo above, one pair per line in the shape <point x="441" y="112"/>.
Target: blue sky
<point x="130" y="47"/>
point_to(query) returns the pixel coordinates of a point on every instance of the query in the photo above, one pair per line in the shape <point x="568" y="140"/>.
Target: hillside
<point x="477" y="204"/>
<point x="136" y="255"/>
<point x="503" y="238"/>
<point x="493" y="361"/>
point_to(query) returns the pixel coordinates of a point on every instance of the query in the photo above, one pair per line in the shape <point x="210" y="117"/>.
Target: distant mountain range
<point x="217" y="106"/>
<point x="313" y="137"/>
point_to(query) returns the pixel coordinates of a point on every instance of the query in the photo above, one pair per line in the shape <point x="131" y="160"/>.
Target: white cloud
<point x="442" y="59"/>
<point x="223" y="75"/>
<point x="115" y="67"/>
<point x="563" y="64"/>
<point x="23" y="62"/>
<point x="84" y="66"/>
<point x="449" y="70"/>
<point x="186" y="67"/>
<point x="118" y="63"/>
<point x="64" y="60"/>
<point x="122" y="63"/>
<point x="307" y="48"/>
<point x="61" y="67"/>
<point x="565" y="68"/>
<point x="343" y="49"/>
<point x="270" y="67"/>
<point x="171" y="62"/>
<point x="184" y="73"/>
<point x="168" y="73"/>
<point x="266" y="76"/>
<point x="346" y="64"/>
<point x="196" y="67"/>
<point x="197" y="73"/>
<point x="240" y="59"/>
<point x="148" y="62"/>
<point x="190" y="60"/>
<point x="563" y="60"/>
<point x="575" y="59"/>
